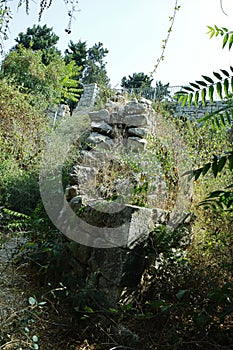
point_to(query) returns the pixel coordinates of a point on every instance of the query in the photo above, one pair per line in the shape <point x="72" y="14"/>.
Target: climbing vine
<point x="165" y="41"/>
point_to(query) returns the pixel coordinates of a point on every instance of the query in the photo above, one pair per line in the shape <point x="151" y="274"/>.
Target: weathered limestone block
<point x="116" y="118"/>
<point x="133" y="107"/>
<point x="101" y="127"/>
<point x="101" y="115"/>
<point x="140" y="132"/>
<point x="103" y="141"/>
<point x="136" y="144"/>
<point x="136" y="120"/>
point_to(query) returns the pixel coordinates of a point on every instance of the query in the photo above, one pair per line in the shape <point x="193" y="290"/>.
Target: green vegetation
<point x="185" y="298"/>
<point x="91" y="61"/>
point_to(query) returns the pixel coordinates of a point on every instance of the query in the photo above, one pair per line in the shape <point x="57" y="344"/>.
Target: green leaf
<point x="201" y="82"/>
<point x="211" y="93"/>
<point x="217" y="75"/>
<point x="188" y="88"/>
<point x="215" y="166"/>
<point x="219" y="89"/>
<point x="230" y="159"/>
<point x="232" y="84"/>
<point x="228" y="117"/>
<point x="230" y="41"/>
<point x="88" y="309"/>
<point x="203" y="97"/>
<point x="225" y="72"/>
<point x="226" y="87"/>
<point x="185" y="98"/>
<point x="222" y="119"/>
<point x="225" y="40"/>
<point x="211" y="31"/>
<point x="190" y="99"/>
<point x="216" y="121"/>
<point x="113" y="310"/>
<point x="206" y="168"/>
<point x="195" y="85"/>
<point x="221" y="163"/>
<point x="196" y="98"/>
<point x="208" y="79"/>
<point x="197" y="173"/>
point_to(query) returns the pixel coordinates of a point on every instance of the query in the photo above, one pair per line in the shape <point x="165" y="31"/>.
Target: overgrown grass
<point x="185" y="298"/>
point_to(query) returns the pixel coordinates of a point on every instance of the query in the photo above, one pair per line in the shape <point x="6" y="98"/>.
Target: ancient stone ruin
<point x="115" y="198"/>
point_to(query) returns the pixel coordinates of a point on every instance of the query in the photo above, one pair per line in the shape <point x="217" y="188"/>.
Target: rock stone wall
<point x="100" y="188"/>
<point x="194" y="112"/>
<point x="88" y="97"/>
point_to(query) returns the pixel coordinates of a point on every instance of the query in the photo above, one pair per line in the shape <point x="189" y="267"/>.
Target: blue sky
<point x="133" y="31"/>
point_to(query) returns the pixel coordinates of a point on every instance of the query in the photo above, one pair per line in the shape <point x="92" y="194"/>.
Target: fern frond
<point x="204" y="90"/>
<point x="227" y="35"/>
<point x="222" y="199"/>
<point x="216" y="166"/>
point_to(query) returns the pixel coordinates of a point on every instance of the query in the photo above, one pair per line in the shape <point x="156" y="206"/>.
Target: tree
<point x="77" y="52"/>
<point x="140" y="83"/>
<point x="49" y="84"/>
<point x="91" y="60"/>
<point x="39" y="38"/>
<point x="136" y="81"/>
<point x="161" y="91"/>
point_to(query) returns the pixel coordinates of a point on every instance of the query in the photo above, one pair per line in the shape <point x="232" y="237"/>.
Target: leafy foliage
<point x="161" y="91"/>
<point x="136" y="81"/>
<point x="227" y="35"/>
<point x="223" y="86"/>
<point x="39" y="38"/>
<point x="50" y="83"/>
<point x="90" y="60"/>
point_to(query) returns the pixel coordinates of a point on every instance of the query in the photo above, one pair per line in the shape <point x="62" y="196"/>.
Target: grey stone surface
<point x="101" y="127"/>
<point x="136" y="120"/>
<point x="101" y="115"/>
<point x="140" y="132"/>
<point x="88" y="97"/>
<point x="96" y="139"/>
<point x="124" y="227"/>
<point x="133" y="107"/>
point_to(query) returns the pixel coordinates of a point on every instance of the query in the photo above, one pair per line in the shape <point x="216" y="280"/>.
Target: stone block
<point x="116" y="118"/>
<point x="102" y="141"/>
<point x="101" y="115"/>
<point x="135" y="120"/>
<point x="140" y="132"/>
<point x="101" y="127"/>
<point x="133" y="107"/>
